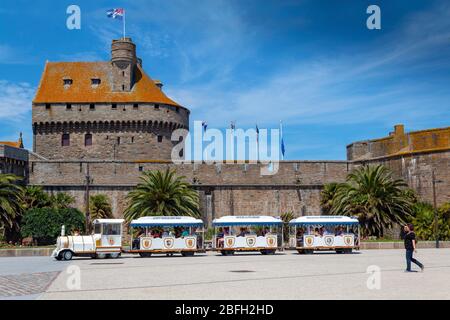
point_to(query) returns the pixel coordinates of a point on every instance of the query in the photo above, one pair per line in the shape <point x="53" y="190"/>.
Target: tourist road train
<point x="232" y="234"/>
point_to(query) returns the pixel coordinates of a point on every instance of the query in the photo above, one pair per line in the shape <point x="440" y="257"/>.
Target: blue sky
<point x="312" y="64"/>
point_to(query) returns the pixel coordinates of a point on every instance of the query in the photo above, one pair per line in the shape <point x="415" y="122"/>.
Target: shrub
<point x="44" y="224"/>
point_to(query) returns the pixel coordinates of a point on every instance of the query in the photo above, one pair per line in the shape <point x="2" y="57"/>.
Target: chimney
<point x="399" y="130"/>
<point x="124" y="60"/>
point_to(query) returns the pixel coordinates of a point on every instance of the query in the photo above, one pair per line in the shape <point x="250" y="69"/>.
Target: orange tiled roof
<point x="51" y="88"/>
<point x="15" y="144"/>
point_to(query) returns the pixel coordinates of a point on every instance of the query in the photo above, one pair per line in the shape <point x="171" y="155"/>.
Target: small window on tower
<point x="114" y="106"/>
<point x="65" y="140"/>
<point x="141" y="168"/>
<point x="156" y="106"/>
<point x="88" y="139"/>
<point x="47" y="106"/>
<point x="135" y="106"/>
<point x="67" y="82"/>
<point x="95" y="82"/>
<point x="92" y="106"/>
<point x="160" y="138"/>
<point x="68" y="106"/>
<point x="118" y="140"/>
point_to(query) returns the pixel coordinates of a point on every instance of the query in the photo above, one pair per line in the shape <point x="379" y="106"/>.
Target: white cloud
<point x="374" y="82"/>
<point x="15" y="100"/>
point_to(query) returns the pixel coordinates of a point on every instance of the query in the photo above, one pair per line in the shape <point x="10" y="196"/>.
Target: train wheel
<point x="67" y="255"/>
<point x="187" y="253"/>
<point x="271" y="252"/>
<point x="145" y="254"/>
<point x="263" y="252"/>
<point x="114" y="255"/>
<point x="100" y="256"/>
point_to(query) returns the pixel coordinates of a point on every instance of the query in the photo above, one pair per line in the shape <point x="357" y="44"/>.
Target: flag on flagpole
<point x="118" y="13"/>
<point x="204" y="125"/>
<point x="257" y="133"/>
<point x="233" y="125"/>
<point x="283" y="149"/>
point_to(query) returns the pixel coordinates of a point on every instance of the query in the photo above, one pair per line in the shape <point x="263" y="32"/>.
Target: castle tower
<point x="123" y="58"/>
<point x="108" y="110"/>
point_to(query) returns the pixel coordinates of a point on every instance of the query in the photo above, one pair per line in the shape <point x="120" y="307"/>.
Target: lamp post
<point x="436" y="217"/>
<point x="88" y="214"/>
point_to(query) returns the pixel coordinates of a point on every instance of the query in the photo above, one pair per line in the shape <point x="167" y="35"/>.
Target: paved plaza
<point x="286" y="275"/>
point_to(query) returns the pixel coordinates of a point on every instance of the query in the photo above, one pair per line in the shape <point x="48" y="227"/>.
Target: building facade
<point x="110" y="121"/>
<point x="104" y="110"/>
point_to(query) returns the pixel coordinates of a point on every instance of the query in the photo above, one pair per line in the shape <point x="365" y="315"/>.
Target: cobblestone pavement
<point x="25" y="284"/>
<point x="286" y="275"/>
<point x="26" y="278"/>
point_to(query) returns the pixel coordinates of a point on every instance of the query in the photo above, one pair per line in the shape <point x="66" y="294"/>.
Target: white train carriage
<point x="247" y="233"/>
<point x="167" y="235"/>
<point x="105" y="242"/>
<point x="314" y="233"/>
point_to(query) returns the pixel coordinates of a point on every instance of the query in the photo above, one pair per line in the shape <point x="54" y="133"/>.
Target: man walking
<point x="410" y="246"/>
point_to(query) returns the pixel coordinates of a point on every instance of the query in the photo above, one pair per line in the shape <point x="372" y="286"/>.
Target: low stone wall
<point x="26" y="252"/>
<point x="400" y="245"/>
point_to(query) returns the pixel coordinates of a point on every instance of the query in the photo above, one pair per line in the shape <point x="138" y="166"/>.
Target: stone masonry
<point x="113" y="119"/>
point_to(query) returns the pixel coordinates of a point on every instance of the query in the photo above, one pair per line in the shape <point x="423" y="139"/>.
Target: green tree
<point x="423" y="220"/>
<point x="286" y="217"/>
<point x="162" y="193"/>
<point x="61" y="200"/>
<point x="99" y="207"/>
<point x="35" y="197"/>
<point x="327" y="195"/>
<point x="375" y="197"/>
<point x="444" y="221"/>
<point x="11" y="208"/>
<point x="44" y="224"/>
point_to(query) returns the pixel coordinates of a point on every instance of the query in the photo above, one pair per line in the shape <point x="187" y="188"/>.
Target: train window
<point x="97" y="228"/>
<point x="111" y="229"/>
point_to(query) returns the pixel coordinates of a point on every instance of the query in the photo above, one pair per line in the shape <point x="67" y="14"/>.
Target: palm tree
<point x="99" y="207"/>
<point x="161" y="193"/>
<point x="11" y="207"/>
<point x="286" y="217"/>
<point x="61" y="200"/>
<point x="375" y="197"/>
<point x="327" y="195"/>
<point x="35" y="197"/>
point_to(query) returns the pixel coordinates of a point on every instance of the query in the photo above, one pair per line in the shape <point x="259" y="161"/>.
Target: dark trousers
<point x="409" y="259"/>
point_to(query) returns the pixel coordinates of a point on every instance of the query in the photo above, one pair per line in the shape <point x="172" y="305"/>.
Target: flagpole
<point x="124" y="23"/>
<point x="257" y="143"/>
<point x="281" y="138"/>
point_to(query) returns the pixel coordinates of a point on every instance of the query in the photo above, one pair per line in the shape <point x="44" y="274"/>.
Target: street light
<point x="436" y="217"/>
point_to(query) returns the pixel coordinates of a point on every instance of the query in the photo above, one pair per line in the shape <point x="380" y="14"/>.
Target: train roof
<point x="166" y="221"/>
<point x="109" y="221"/>
<point x="321" y="220"/>
<point x="246" y="220"/>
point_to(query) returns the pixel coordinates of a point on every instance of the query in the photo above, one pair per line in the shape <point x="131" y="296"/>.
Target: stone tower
<point x="108" y="110"/>
<point x="123" y="59"/>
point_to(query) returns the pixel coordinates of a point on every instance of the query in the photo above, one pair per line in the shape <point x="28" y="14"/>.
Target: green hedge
<point x="44" y="224"/>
